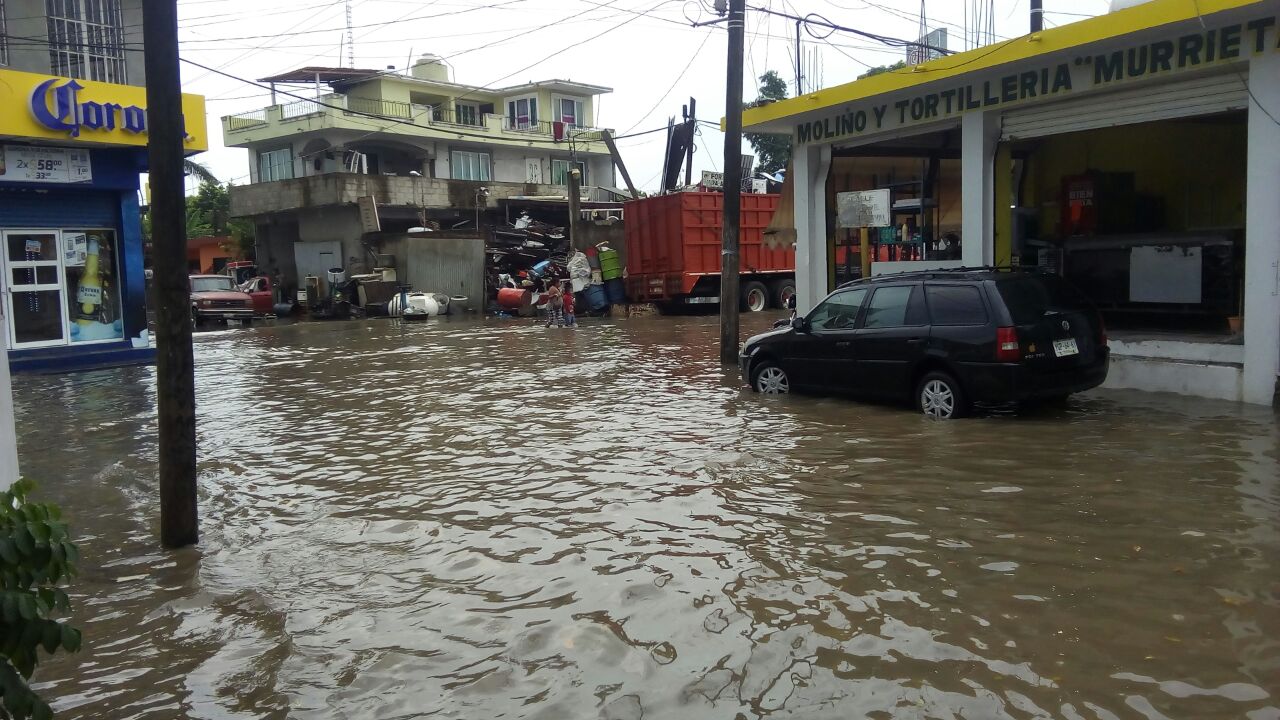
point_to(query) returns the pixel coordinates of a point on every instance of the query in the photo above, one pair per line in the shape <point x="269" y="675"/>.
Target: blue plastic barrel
<point x="616" y="291"/>
<point x="595" y="297"/>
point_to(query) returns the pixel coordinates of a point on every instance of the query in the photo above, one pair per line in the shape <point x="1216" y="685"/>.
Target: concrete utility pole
<point x="175" y="366"/>
<point x="575" y="204"/>
<point x="732" y="186"/>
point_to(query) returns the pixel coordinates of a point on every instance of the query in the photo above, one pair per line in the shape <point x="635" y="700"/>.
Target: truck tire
<point x="780" y="291"/>
<point x="755" y="296"/>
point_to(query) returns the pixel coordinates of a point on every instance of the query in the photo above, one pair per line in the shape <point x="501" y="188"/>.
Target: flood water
<point x="495" y="520"/>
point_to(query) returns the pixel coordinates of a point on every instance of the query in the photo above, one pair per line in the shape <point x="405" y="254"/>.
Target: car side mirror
<point x="800" y="325"/>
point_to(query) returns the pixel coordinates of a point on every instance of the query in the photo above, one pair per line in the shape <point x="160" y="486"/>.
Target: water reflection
<point x="498" y="520"/>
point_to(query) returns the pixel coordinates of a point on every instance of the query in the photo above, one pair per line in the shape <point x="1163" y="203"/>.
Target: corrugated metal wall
<point x="451" y="266"/>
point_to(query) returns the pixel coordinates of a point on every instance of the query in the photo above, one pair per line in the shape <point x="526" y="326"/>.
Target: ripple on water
<point x="492" y="520"/>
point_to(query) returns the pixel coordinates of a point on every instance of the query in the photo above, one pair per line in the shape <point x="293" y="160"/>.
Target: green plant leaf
<point x="8" y="551"/>
<point x="40" y="710"/>
<point x="27" y="607"/>
<point x="51" y="637"/>
<point x="70" y="638"/>
<point x="9" y="605"/>
<point x="23" y="540"/>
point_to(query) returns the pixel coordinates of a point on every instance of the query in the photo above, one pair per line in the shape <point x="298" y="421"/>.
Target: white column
<point x="810" y="166"/>
<point x="1262" y="235"/>
<point x="979" y="134"/>
<point x="8" y="431"/>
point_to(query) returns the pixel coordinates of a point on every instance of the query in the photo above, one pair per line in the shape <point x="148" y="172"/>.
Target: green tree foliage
<point x="881" y="69"/>
<point x="36" y="556"/>
<point x="773" y="152"/>
<point x="209" y="213"/>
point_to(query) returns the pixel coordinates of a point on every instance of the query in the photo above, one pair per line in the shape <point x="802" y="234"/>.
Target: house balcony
<point x="342" y="188"/>
<point x="336" y="111"/>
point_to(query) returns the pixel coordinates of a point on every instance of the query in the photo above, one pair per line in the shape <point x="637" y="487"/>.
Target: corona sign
<point x="41" y="107"/>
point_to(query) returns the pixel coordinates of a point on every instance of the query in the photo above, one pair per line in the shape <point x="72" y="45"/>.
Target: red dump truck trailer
<point x="673" y="251"/>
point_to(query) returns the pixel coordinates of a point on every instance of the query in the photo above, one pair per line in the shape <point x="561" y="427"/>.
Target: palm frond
<point x="191" y="167"/>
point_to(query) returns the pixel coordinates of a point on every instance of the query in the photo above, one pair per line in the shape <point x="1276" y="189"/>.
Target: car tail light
<point x="1007" y="347"/>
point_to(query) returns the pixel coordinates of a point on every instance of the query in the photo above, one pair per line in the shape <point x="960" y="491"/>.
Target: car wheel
<point x="769" y="379"/>
<point x="754" y="296"/>
<point x="940" y="397"/>
<point x="781" y="291"/>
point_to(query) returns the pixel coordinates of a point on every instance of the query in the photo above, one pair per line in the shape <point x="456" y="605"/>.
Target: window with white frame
<point x="466" y="165"/>
<point x="522" y="113"/>
<point x="570" y="112"/>
<point x="86" y="39"/>
<point x="560" y="172"/>
<point x="275" y="165"/>
<point x="466" y="113"/>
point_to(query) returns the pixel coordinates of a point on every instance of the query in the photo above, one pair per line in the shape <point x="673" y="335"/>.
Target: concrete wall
<point x="452" y="266"/>
<point x="26" y="19"/>
<point x="8" y="432"/>
<point x="340" y="224"/>
<point x="612" y="234"/>
<point x="345" y="188"/>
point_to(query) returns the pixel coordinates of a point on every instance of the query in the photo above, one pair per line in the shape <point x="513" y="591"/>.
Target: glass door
<point x="34" y="302"/>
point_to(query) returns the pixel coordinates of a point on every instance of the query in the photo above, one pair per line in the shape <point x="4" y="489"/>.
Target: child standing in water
<point x="555" y="307"/>
<point x="568" y="299"/>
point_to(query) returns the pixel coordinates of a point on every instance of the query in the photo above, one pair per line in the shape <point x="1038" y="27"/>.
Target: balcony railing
<point x="299" y="109"/>
<point x="425" y="116"/>
<point x="390" y="109"/>
<point x="247" y="120"/>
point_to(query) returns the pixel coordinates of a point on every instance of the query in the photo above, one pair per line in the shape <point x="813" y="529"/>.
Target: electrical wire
<point x="1243" y="80"/>
<point x="679" y="77"/>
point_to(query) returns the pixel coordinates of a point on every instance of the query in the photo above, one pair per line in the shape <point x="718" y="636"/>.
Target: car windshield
<point x="1029" y="298"/>
<point x="212" y="284"/>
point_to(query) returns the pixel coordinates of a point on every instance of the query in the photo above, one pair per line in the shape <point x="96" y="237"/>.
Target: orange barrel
<point x="514" y="298"/>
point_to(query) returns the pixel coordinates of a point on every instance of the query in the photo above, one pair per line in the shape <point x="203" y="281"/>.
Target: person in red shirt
<point x="568" y="299"/>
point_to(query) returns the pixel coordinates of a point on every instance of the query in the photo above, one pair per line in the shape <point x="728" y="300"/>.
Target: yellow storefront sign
<point x="47" y="107"/>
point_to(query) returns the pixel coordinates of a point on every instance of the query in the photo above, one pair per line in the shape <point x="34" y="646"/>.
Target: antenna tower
<point x="351" y="44"/>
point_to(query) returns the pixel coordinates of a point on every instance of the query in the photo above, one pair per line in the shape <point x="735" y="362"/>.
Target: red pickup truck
<point x="262" y="291"/>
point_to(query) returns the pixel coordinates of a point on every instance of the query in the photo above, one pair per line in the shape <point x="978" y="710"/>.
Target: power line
<point x="679" y="77"/>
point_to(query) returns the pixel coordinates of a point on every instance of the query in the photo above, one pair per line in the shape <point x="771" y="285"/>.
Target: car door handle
<point x="916" y="341"/>
<point x="843" y="344"/>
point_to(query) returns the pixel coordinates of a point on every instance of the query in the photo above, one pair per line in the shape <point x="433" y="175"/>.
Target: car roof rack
<point x="941" y="274"/>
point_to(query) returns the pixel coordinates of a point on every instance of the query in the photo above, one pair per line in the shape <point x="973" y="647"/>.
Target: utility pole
<point x="175" y="366"/>
<point x="691" y="119"/>
<point x="575" y="203"/>
<point x="1037" y="15"/>
<point x="732" y="186"/>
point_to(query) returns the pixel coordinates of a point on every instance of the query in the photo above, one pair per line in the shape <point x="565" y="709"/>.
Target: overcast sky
<point x="643" y="49"/>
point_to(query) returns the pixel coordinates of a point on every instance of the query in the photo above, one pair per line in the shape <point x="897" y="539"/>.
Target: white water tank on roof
<point x="1123" y="4"/>
<point x="430" y="67"/>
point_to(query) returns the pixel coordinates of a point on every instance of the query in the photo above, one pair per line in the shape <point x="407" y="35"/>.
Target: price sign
<point x="24" y="163"/>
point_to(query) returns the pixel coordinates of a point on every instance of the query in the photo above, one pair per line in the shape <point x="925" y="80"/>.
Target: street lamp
<point x="481" y="194"/>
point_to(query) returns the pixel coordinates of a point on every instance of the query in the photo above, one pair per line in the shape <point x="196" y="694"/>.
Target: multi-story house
<point x="73" y="131"/>
<point x="422" y="147"/>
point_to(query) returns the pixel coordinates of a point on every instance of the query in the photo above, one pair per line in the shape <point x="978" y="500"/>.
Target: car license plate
<point x="234" y="322"/>
<point x="1064" y="348"/>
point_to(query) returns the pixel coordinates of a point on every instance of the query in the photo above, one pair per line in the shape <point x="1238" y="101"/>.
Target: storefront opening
<point x="1146" y="219"/>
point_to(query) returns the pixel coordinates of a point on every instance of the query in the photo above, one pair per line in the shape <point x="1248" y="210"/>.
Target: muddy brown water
<point x="494" y="520"/>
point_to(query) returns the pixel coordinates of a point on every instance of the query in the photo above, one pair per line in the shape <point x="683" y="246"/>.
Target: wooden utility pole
<point x="617" y="161"/>
<point x="175" y="367"/>
<point x="1037" y="15"/>
<point x="732" y="186"/>
<point x="575" y="204"/>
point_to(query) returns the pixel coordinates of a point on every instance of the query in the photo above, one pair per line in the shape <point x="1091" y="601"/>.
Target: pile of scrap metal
<point x="524" y="254"/>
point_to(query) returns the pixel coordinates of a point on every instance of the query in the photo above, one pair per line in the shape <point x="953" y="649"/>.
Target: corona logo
<point x="59" y="107"/>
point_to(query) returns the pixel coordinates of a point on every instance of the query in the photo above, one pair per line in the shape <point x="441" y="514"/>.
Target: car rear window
<point x="956" y="305"/>
<point x="896" y="307"/>
<point x="1029" y="298"/>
